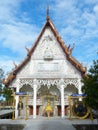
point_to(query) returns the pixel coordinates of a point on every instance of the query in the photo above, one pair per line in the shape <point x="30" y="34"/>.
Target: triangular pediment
<point x="45" y="55"/>
<point x="50" y="35"/>
<point x="48" y="47"/>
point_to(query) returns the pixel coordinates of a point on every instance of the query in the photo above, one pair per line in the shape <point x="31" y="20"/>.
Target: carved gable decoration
<point x="48" y="47"/>
<point x="48" y="53"/>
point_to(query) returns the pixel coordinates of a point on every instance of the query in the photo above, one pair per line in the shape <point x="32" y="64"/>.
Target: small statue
<point x="48" y="109"/>
<point x="20" y="104"/>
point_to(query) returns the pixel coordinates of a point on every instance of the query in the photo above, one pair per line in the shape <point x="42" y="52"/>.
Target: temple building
<point x="48" y="75"/>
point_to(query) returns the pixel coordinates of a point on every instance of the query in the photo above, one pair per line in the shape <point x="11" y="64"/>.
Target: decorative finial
<point x="15" y="64"/>
<point x="27" y="49"/>
<point x="47" y="15"/>
<point x="70" y="49"/>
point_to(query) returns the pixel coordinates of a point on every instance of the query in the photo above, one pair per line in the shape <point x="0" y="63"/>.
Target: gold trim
<point x="76" y="114"/>
<point x="70" y="108"/>
<point x="26" y="107"/>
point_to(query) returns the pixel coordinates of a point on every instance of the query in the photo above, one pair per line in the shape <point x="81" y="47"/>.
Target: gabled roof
<point x="65" y="49"/>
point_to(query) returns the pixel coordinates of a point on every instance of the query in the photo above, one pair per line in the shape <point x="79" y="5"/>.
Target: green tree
<point x="7" y="93"/>
<point x="4" y="91"/>
<point x="1" y="77"/>
<point x="90" y="87"/>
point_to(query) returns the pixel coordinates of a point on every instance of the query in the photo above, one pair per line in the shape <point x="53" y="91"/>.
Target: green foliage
<point x="90" y="86"/>
<point x="4" y="91"/>
<point x="7" y="93"/>
<point x="1" y="77"/>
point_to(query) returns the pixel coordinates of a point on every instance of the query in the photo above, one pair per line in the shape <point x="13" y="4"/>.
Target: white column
<point x="62" y="100"/>
<point x="79" y="88"/>
<point x="34" y="99"/>
<point x="17" y="100"/>
<point x="62" y="97"/>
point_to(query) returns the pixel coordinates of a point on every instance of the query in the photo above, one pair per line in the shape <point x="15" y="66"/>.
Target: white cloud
<point x="91" y="51"/>
<point x="96" y="9"/>
<point x="6" y="64"/>
<point x="67" y="5"/>
<point x="91" y="1"/>
<point x="17" y="36"/>
<point x="15" y="33"/>
<point x="77" y="19"/>
<point x="7" y="7"/>
<point x="78" y="23"/>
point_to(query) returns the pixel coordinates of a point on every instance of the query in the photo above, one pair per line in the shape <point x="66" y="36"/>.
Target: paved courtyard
<point x="46" y="124"/>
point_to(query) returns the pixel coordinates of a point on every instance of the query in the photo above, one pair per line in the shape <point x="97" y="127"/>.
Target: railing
<point x="40" y="102"/>
<point x="30" y="101"/>
<point x="66" y="101"/>
<point x="5" y="105"/>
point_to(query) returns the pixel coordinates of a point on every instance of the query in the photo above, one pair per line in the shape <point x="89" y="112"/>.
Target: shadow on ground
<point x="86" y="127"/>
<point x="11" y="127"/>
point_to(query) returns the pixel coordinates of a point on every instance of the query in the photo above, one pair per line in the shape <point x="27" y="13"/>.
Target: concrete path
<point x="48" y="124"/>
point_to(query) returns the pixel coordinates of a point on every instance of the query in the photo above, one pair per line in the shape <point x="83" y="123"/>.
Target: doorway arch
<point x="53" y="93"/>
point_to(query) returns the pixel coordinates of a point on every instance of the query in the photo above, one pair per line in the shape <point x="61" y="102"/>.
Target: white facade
<point x="47" y="71"/>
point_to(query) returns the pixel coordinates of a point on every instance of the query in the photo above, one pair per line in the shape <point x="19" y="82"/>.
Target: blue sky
<point x="22" y="20"/>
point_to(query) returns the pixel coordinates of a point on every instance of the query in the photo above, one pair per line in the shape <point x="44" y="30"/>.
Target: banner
<point x="21" y="93"/>
<point x="77" y="95"/>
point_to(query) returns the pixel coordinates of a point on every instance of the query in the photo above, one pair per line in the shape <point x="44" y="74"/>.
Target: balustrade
<point x="39" y="101"/>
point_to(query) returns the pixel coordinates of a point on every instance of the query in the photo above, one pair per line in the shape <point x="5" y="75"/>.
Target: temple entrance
<point x="29" y="90"/>
<point x="50" y="98"/>
<point x="48" y="105"/>
<point x="69" y="89"/>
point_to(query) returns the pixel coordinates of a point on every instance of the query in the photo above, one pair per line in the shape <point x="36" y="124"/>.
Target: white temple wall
<point x="54" y="69"/>
<point x="57" y="67"/>
<point x="25" y="71"/>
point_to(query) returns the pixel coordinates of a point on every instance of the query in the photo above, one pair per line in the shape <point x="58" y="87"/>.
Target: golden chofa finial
<point x="47" y="13"/>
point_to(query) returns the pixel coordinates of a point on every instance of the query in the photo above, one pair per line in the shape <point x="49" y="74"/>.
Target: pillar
<point x="17" y="100"/>
<point x="34" y="97"/>
<point x="79" y="88"/>
<point x="62" y="98"/>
